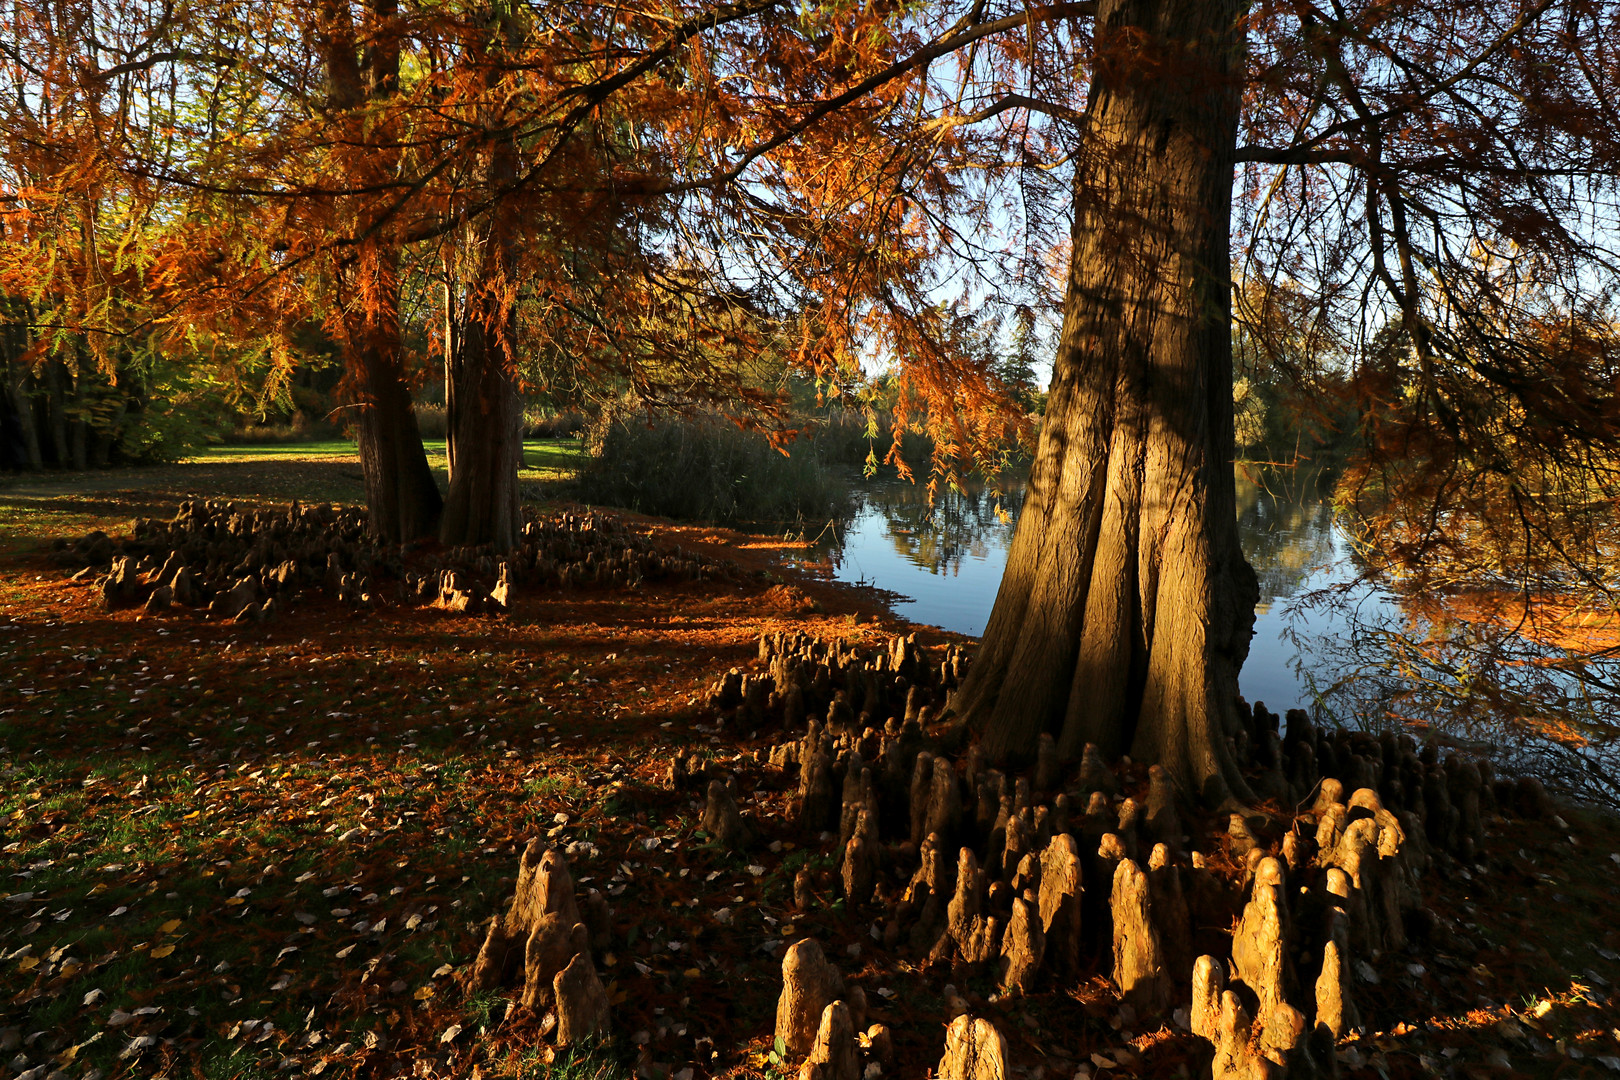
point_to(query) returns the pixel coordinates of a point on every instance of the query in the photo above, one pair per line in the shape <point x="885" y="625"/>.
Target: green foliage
<point x="1290" y="406"/>
<point x="482" y="1007"/>
<point x="1249" y="410"/>
<point x="592" y="1059"/>
<point x="1016" y="364"/>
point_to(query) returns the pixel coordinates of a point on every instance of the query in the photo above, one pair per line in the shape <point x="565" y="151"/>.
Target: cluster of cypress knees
<point x="246" y="564"/>
<point x="1259" y="931"/>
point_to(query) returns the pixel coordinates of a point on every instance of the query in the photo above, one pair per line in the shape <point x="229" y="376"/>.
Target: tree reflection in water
<point x="1285" y="521"/>
<point x="969" y="522"/>
<point x="1330" y="634"/>
<point x="1531" y="679"/>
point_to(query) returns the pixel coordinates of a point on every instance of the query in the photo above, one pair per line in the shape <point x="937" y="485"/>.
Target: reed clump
<point x="702" y="467"/>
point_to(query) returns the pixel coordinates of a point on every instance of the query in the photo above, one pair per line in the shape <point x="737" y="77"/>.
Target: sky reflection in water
<point x="947" y="565"/>
<point x="946" y="568"/>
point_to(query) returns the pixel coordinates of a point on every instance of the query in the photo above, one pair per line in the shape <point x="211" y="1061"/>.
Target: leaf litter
<point x="276" y="845"/>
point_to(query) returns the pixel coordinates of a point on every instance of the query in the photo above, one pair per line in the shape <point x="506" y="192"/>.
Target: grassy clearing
<point x="544" y="460"/>
<point x="37" y="507"/>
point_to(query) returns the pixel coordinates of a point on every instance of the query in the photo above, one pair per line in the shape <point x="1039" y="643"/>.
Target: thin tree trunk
<point x="56" y="412"/>
<point x="20" y="385"/>
<point x="452" y="351"/>
<point x="1126" y="608"/>
<point x="78" y="411"/>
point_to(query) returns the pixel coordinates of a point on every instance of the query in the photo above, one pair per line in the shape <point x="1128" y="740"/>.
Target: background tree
<point x="98" y="367"/>
<point x="362" y="135"/>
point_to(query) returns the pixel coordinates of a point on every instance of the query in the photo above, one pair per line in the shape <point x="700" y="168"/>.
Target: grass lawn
<point x="35" y="508"/>
<point x="543" y="459"/>
<point x="271" y="849"/>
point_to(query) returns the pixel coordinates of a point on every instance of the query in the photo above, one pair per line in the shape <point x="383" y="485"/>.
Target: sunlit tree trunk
<point x="1127" y="606"/>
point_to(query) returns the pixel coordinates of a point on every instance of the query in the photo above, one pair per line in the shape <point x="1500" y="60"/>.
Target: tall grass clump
<point x="705" y="468"/>
<point x="298" y="428"/>
<point x="433" y="421"/>
<point x="546" y="424"/>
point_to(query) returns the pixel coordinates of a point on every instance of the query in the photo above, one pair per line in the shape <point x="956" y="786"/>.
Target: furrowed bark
<point x="402" y="496"/>
<point x="1126" y="608"/>
<point x="485" y="413"/>
<point x="483" y="401"/>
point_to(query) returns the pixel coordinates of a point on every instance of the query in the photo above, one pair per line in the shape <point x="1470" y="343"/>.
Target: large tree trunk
<point x="484" y="410"/>
<point x="483" y="403"/>
<point x="402" y="496"/>
<point x="1127" y="606"/>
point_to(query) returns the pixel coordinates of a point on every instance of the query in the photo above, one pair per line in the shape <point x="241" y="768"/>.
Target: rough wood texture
<point x="974" y="1050"/>
<point x="722" y="820"/>
<point x="551" y="946"/>
<point x="809" y="984"/>
<point x="544" y="888"/>
<point x="859" y="870"/>
<point x="1047" y="768"/>
<point x="816" y="799"/>
<point x="1282" y="1040"/>
<point x="1060" y="903"/>
<point x="944" y="801"/>
<point x="835" y="1054"/>
<point x="1171" y="915"/>
<point x="922" y="787"/>
<point x="1138" y="956"/>
<point x="963" y="911"/>
<point x="582" y="1001"/>
<point x="1125" y="610"/>
<point x="1208" y="984"/>
<point x="1236" y="1057"/>
<point x="1022" y="948"/>
<point x="1163" y="823"/>
<point x="1335" y="1008"/>
<point x="926" y="896"/>
<point x="878" y="1042"/>
<point x="1257" y="945"/>
<point x="1095" y="775"/>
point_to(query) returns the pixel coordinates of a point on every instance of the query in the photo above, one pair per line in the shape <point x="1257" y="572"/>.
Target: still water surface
<point x="1337" y="652"/>
<point x="945" y="564"/>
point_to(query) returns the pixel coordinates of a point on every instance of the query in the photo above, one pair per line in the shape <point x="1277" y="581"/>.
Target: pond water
<point x="945" y="563"/>
<point x="1346" y="654"/>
